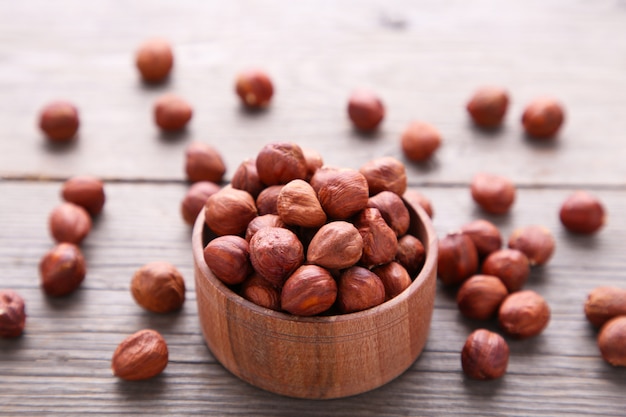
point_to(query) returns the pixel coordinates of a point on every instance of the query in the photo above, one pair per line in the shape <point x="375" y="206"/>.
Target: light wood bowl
<point x="317" y="357"/>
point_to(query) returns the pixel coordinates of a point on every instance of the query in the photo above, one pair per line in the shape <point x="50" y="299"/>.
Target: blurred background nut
<point x="612" y="341"/>
<point x="203" y="163"/>
<point x="310" y="290"/>
<point x="228" y="257"/>
<point x="314" y="161"/>
<point x="62" y="269"/>
<point x="604" y="303"/>
<point x="85" y="191"/>
<point x="261" y="292"/>
<point x="281" y="162"/>
<point x="415" y="198"/>
<point x="385" y="174"/>
<point x="336" y="245"/>
<point x="255" y="89"/>
<point x="488" y="106"/>
<point x="510" y="265"/>
<point x="485" y="355"/>
<point x="141" y="355"/>
<point x="536" y="242"/>
<point x="480" y="296"/>
<point x="154" y="60"/>
<point x="365" y="110"/>
<point x="359" y="289"/>
<point x="228" y="211"/>
<point x="380" y="243"/>
<point x="12" y="314"/>
<point x="246" y="178"/>
<point x="70" y="223"/>
<point x="298" y="205"/>
<point x="582" y="213"/>
<point x="275" y="253"/>
<point x="393" y="210"/>
<point x="394" y="277"/>
<point x="543" y="117"/>
<point x="172" y="113"/>
<point x="485" y="235"/>
<point x="196" y="198"/>
<point x="419" y="141"/>
<point x="259" y="222"/>
<point x="158" y="287"/>
<point x="493" y="193"/>
<point x="457" y="260"/>
<point x="411" y="254"/>
<point x="524" y="314"/>
<point x="341" y="192"/>
<point x="59" y="121"/>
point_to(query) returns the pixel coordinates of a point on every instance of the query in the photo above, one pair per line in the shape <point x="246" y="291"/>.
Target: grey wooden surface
<point x="425" y="59"/>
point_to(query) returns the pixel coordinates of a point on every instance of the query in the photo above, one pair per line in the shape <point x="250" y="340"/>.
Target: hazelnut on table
<point x="154" y="60"/>
<point x="142" y="355"/>
<point x="59" y="121"/>
<point x="12" y="314"/>
<point x="365" y="110"/>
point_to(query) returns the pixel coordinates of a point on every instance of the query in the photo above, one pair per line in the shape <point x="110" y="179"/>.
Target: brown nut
<point x="385" y="174"/>
<point x="394" y="277"/>
<point x="493" y="193"/>
<point x="485" y="355"/>
<point x="420" y="141"/>
<point x="59" y="121"/>
<point x="510" y="265"/>
<point x="70" y="223"/>
<point x="536" y="242"/>
<point x="485" y="235"/>
<point x="246" y="178"/>
<point x="259" y="222"/>
<point x="85" y="191"/>
<point x="359" y="289"/>
<point x="203" y="163"/>
<point x="543" y="118"/>
<point x="281" y="162"/>
<point x="196" y="198"/>
<point x="260" y="292"/>
<point x="411" y="254"/>
<point x="480" y="296"/>
<point x="228" y="257"/>
<point x="310" y="290"/>
<point x="254" y="88"/>
<point x="298" y="205"/>
<point x="524" y="314"/>
<point x="415" y="198"/>
<point x="380" y="243"/>
<point x="393" y="210"/>
<point x="582" y="213"/>
<point x="141" y="355"/>
<point x="604" y="303"/>
<point x="172" y="113"/>
<point x="12" y="314"/>
<point x="341" y="192"/>
<point x="336" y="245"/>
<point x="457" y="260"/>
<point x="62" y="269"/>
<point x="154" y="60"/>
<point x="488" y="106"/>
<point x="612" y="341"/>
<point x="365" y="110"/>
<point x="158" y="287"/>
<point x="275" y="253"/>
<point x="229" y="211"/>
<point x="314" y="162"/>
<point x="266" y="202"/>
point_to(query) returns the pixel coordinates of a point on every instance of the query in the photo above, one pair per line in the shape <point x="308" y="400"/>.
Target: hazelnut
<point x="394" y="277"/>
<point x="582" y="213"/>
<point x="365" y="110"/>
<point x="411" y="254"/>
<point x="12" y="314"/>
<point x="259" y="222"/>
<point x="70" y="223"/>
<point x="393" y="210"/>
<point x="154" y="60"/>
<point x="203" y="163"/>
<point x="298" y="205"/>
<point x="281" y="162"/>
<point x="457" y="260"/>
<point x="480" y="296"/>
<point x="510" y="265"/>
<point x="275" y="253"/>
<point x="493" y="193"/>
<point x="158" y="287"/>
<point x="228" y="257"/>
<point x="266" y="202"/>
<point x="612" y="341"/>
<point x="228" y="211"/>
<point x="196" y="198"/>
<point x="543" y="117"/>
<point x="485" y="235"/>
<point x="85" y="191"/>
<point x="604" y="303"/>
<point x="336" y="245"/>
<point x="313" y="160"/>
<point x="310" y="290"/>
<point x="62" y="269"/>
<point x="485" y="355"/>
<point x="246" y="178"/>
<point x="141" y="355"/>
<point x="536" y="242"/>
<point x="385" y="174"/>
<point x="59" y="121"/>
<point x="260" y="292"/>
<point x="488" y="106"/>
<point x="359" y="289"/>
<point x="420" y="141"/>
<point x="341" y="192"/>
<point x="254" y="88"/>
<point x="172" y="112"/>
<point x="524" y="314"/>
<point x="380" y="244"/>
<point x="415" y="198"/>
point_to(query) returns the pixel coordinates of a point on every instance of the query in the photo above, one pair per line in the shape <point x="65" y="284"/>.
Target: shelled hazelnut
<point x="359" y="289"/>
<point x="229" y="258"/>
<point x="510" y="265"/>
<point x="458" y="258"/>
<point x="485" y="355"/>
<point x="172" y="113"/>
<point x="612" y="341"/>
<point x="196" y="198"/>
<point x="393" y="210"/>
<point x="85" y="191"/>
<point x="488" y="106"/>
<point x="314" y="161"/>
<point x="385" y="174"/>
<point x="524" y="314"/>
<point x="246" y="178"/>
<point x="394" y="277"/>
<point x="336" y="245"/>
<point x="536" y="242"/>
<point x="229" y="211"/>
<point x="341" y="192"/>
<point x="485" y="235"/>
<point x="267" y="200"/>
<point x="255" y="89"/>
<point x="310" y="290"/>
<point x="605" y="303"/>
<point x="70" y="223"/>
<point x="411" y="254"/>
<point x="420" y="141"/>
<point x="154" y="60"/>
<point x="142" y="355"/>
<point x="12" y="314"/>
<point x="281" y="162"/>
<point x="380" y="243"/>
<point x="298" y="205"/>
<point x="480" y="297"/>
<point x="275" y="253"/>
<point x="582" y="213"/>
<point x="493" y="193"/>
<point x="261" y="292"/>
<point x="543" y="118"/>
<point x="62" y="269"/>
<point x="59" y="121"/>
<point x="158" y="287"/>
<point x="204" y="163"/>
<point x="259" y="222"/>
<point x="365" y="110"/>
<point x="416" y="198"/>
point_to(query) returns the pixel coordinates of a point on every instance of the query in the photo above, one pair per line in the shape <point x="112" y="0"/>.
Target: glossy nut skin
<point x="69" y="223"/>
<point x="359" y="289"/>
<point x="543" y="118"/>
<point x="259" y="291"/>
<point x="59" y="121"/>
<point x="310" y="290"/>
<point x="485" y="355"/>
<point x="341" y="192"/>
<point x="195" y="199"/>
<point x="85" y="191"/>
<point x="612" y="341"/>
<point x="419" y="141"/>
<point x="158" y="287"/>
<point x="62" y="269"/>
<point x="510" y="265"/>
<point x="380" y="243"/>
<point x="365" y="110"/>
<point x="12" y="314"/>
<point x="255" y="89"/>
<point x="297" y="205"/>
<point x="488" y="106"/>
<point x="281" y="162"/>
<point x="416" y="198"/>
<point x="259" y="222"/>
<point x="536" y="242"/>
<point x="480" y="296"/>
<point x="142" y="355"/>
<point x="172" y="113"/>
<point x="411" y="254"/>
<point x="458" y="258"/>
<point x="154" y="60"/>
<point x="493" y="193"/>
<point x="485" y="235"/>
<point x="393" y="210"/>
<point x="582" y="213"/>
<point x="394" y="277"/>
<point x="524" y="314"/>
<point x="228" y="257"/>
<point x="605" y="303"/>
<point x="336" y="245"/>
<point x="229" y="211"/>
<point x="204" y="163"/>
<point x="275" y="253"/>
<point x="385" y="174"/>
<point x="246" y="178"/>
<point x="267" y="200"/>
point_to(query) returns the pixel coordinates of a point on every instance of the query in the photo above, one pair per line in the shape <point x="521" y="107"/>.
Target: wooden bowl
<point x="317" y="357"/>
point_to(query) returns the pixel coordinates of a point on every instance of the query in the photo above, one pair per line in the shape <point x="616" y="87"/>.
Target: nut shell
<point x="12" y="314"/>
<point x="457" y="260"/>
<point x="485" y="355"/>
<point x="582" y="213"/>
<point x="536" y="242"/>
<point x="524" y="314"/>
<point x="228" y="257"/>
<point x="158" y="287"/>
<point x="359" y="289"/>
<point x="310" y="290"/>
<point x="62" y="269"/>
<point x="336" y="245"/>
<point x="229" y="211"/>
<point x="612" y="341"/>
<point x="385" y="174"/>
<point x="140" y="356"/>
<point x="480" y="296"/>
<point x="275" y="253"/>
<point x="604" y="303"/>
<point x="204" y="163"/>
<point x="510" y="265"/>
<point x="85" y="191"/>
<point x="69" y="223"/>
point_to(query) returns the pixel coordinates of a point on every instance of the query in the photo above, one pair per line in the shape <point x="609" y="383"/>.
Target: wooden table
<point x="424" y="59"/>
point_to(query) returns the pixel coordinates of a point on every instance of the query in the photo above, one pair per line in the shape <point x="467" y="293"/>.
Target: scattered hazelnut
<point x="196" y="198"/>
<point x="393" y="210"/>
<point x="415" y="198"/>
<point x="281" y="162"/>
<point x="359" y="289"/>
<point x="70" y="223"/>
<point x="259" y="222"/>
<point x="493" y="193"/>
<point x="12" y="314"/>
<point x="154" y="60"/>
<point x="488" y="106"/>
<point x="411" y="254"/>
<point x="141" y="355"/>
<point x="394" y="277"/>
<point x="203" y="163"/>
<point x="59" y="121"/>
<point x="582" y="213"/>
<point x="336" y="245"/>
<point x="524" y="314"/>
<point x="543" y="117"/>
<point x="228" y="211"/>
<point x="62" y="269"/>
<point x="246" y="178"/>
<point x="298" y="205"/>
<point x="228" y="257"/>
<point x="612" y="341"/>
<point x="313" y="160"/>
<point x="172" y="112"/>
<point x="266" y="202"/>
<point x="380" y="243"/>
<point x="275" y="253"/>
<point x="85" y="191"/>
<point x="385" y="174"/>
<point x="420" y="141"/>
<point x="480" y="296"/>
<point x="457" y="260"/>
<point x="158" y="287"/>
<point x="510" y="265"/>
<point x="310" y="290"/>
<point x="485" y="235"/>
<point x="260" y="292"/>
<point x="254" y="88"/>
<point x="485" y="355"/>
<point x="365" y="110"/>
<point x="341" y="192"/>
<point x="536" y="242"/>
<point x="604" y="303"/>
